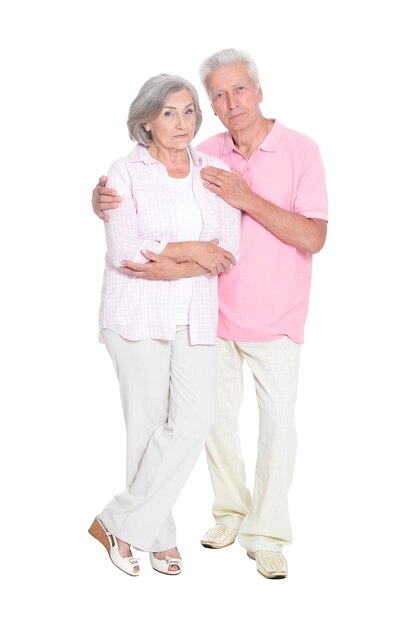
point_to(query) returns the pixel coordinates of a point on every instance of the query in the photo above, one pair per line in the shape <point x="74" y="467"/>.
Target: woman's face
<point x="174" y="126"/>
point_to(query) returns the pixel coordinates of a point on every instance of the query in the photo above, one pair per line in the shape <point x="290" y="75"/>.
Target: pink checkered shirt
<point x="137" y="308"/>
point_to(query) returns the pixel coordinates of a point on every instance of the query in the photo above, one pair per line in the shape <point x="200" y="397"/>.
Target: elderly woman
<point x="160" y="328"/>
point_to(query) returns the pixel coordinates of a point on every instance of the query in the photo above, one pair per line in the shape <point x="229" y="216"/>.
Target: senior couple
<point x="183" y="307"/>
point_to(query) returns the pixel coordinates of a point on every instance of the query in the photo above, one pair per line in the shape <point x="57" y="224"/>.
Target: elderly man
<point x="278" y="183"/>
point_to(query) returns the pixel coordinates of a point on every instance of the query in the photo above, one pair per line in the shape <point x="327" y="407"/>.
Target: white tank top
<point x="190" y="225"/>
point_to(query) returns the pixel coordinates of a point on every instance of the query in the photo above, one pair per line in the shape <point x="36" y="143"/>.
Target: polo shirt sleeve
<point x="124" y="242"/>
<point x="311" y="194"/>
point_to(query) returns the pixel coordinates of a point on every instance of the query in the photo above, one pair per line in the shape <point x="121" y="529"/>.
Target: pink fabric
<point x="136" y="308"/>
<point x="266" y="296"/>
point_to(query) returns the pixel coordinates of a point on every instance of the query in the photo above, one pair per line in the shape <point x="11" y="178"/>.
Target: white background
<point x="341" y="72"/>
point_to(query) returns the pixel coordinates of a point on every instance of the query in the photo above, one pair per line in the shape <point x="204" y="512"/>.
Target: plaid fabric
<point x="146" y="219"/>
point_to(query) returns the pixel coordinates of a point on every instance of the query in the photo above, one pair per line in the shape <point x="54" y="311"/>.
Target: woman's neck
<point x="177" y="162"/>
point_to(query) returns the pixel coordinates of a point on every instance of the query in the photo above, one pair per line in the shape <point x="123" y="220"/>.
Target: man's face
<point x="234" y="97"/>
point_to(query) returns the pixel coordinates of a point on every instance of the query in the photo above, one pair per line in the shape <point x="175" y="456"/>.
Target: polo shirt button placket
<point x="247" y="176"/>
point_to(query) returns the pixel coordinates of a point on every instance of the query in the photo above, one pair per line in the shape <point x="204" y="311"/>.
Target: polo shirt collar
<point x="269" y="144"/>
<point x="140" y="154"/>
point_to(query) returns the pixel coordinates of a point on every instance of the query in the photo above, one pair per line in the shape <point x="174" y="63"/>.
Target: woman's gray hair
<point x="229" y="56"/>
<point x="150" y="101"/>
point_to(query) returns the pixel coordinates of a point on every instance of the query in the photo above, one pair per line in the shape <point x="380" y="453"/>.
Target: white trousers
<point x="262" y="519"/>
<point x="168" y="391"/>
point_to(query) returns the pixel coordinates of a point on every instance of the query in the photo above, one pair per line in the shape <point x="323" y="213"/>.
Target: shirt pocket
<point x="154" y="212"/>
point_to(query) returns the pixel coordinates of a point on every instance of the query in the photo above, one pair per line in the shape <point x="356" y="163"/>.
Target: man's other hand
<point x="104" y="198"/>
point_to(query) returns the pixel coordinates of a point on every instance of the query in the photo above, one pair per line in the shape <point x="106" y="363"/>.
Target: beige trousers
<point x="168" y="391"/>
<point x="262" y="519"/>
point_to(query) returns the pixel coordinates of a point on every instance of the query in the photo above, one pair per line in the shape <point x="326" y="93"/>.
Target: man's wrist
<point x="253" y="203"/>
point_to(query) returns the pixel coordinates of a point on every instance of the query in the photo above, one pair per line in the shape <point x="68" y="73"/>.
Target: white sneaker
<point x="270" y="564"/>
<point x="220" y="536"/>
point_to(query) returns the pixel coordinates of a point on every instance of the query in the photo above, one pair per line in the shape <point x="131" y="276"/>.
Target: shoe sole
<point x="214" y="546"/>
<point x="264" y="573"/>
<point x="171" y="573"/>
<point x="174" y="572"/>
<point x="97" y="531"/>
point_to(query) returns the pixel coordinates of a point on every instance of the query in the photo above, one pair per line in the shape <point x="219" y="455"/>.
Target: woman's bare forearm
<point x="180" y="251"/>
<point x="187" y="269"/>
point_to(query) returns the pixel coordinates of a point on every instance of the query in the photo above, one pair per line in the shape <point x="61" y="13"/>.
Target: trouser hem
<point x="230" y="520"/>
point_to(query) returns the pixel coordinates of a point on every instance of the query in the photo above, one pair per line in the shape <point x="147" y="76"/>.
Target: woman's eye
<point x="189" y="112"/>
<point x="168" y="113"/>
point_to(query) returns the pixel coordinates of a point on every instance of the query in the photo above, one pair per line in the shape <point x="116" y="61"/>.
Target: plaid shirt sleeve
<point x="124" y="242"/>
<point x="229" y="227"/>
<point x="229" y="218"/>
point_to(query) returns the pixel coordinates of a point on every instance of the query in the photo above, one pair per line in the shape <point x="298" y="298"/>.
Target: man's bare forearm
<point x="292" y="228"/>
<point x="302" y="232"/>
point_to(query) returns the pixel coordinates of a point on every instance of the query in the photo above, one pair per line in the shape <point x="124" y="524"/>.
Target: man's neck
<point x="247" y="140"/>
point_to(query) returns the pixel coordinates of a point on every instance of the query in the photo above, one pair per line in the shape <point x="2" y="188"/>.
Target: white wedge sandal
<point x="127" y="563"/>
<point x="162" y="565"/>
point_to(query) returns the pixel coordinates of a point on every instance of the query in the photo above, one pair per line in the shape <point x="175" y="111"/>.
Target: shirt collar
<point x="269" y="144"/>
<point x="140" y="154"/>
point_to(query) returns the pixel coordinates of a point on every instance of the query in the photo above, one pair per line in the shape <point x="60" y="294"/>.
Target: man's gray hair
<point x="229" y="56"/>
<point x="150" y="101"/>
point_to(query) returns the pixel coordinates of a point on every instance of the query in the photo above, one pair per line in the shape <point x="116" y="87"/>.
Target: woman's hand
<point x="209" y="255"/>
<point x="159" y="268"/>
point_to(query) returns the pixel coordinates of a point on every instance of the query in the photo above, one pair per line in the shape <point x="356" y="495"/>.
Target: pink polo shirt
<point x="266" y="294"/>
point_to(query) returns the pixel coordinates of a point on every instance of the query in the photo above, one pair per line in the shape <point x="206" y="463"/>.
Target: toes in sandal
<point x="128" y="563"/>
<point x="162" y="565"/>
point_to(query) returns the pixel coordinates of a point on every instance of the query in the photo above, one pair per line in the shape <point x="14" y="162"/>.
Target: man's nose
<point x="231" y="103"/>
